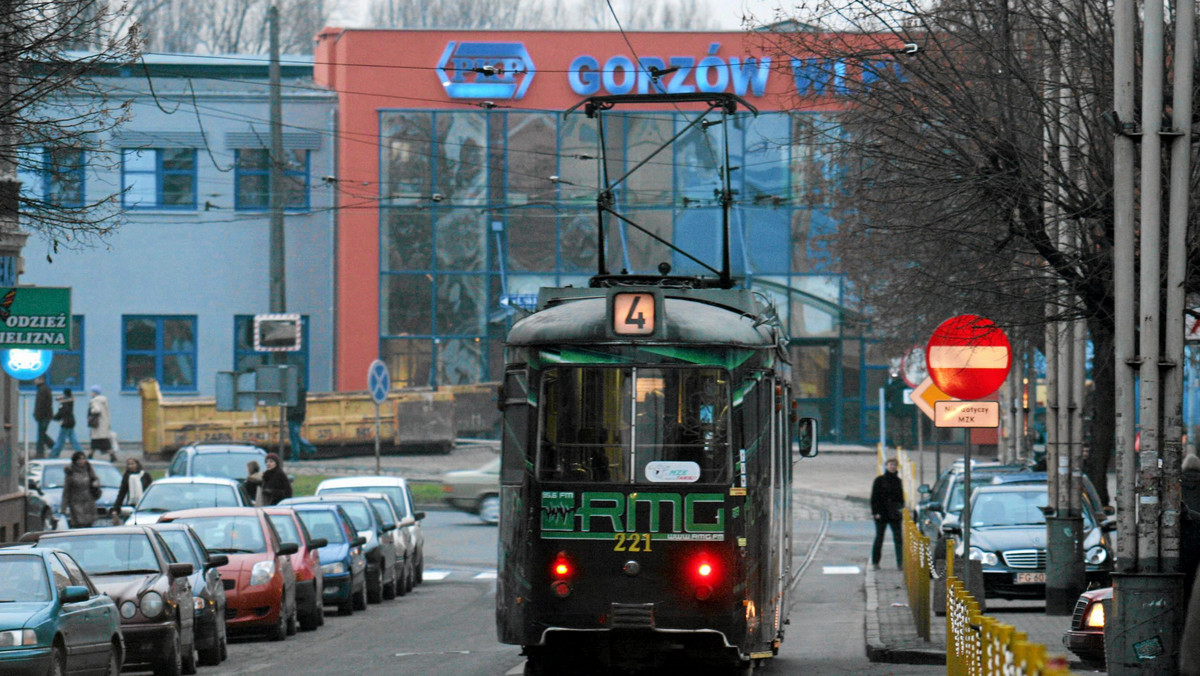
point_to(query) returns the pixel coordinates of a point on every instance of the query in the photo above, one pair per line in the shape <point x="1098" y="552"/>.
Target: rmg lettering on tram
<point x="633" y="521"/>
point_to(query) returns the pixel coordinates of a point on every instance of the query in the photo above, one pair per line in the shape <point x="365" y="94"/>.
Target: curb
<point x="877" y="650"/>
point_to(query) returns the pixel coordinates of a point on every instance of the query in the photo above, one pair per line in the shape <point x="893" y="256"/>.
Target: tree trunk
<point x="1100" y="423"/>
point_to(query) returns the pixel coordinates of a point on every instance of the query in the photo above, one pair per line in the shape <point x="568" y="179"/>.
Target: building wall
<point x="210" y="261"/>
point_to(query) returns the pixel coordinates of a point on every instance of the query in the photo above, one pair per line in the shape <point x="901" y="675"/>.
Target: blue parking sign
<point x="378" y="381"/>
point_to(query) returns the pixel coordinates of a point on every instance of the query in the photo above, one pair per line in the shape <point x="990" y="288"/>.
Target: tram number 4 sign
<point x="633" y="314"/>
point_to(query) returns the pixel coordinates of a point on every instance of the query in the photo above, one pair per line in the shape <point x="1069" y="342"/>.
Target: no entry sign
<point x="968" y="357"/>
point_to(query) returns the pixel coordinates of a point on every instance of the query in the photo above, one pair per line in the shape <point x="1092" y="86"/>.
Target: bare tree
<point x="548" y="14"/>
<point x="977" y="172"/>
<point x="229" y="26"/>
<point x="51" y="111"/>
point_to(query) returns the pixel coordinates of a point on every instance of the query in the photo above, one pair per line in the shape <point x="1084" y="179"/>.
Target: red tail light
<point x="704" y="570"/>
<point x="561" y="569"/>
<point x="562" y="566"/>
<point x="704" y="575"/>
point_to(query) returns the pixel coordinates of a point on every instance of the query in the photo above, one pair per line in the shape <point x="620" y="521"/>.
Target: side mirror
<point x="806" y="433"/>
<point x="419" y="516"/>
<point x="935" y="507"/>
<point x="923" y="489"/>
<point x="358" y="541"/>
<point x="32" y="485"/>
<point x="216" y="561"/>
<point x="317" y="543"/>
<point x="389" y="527"/>
<point x="287" y="549"/>
<point x="180" y="569"/>
<point x="75" y="594"/>
<point x="1109" y="524"/>
<point x="1110" y="510"/>
<point x="126" y="511"/>
<point x="951" y="529"/>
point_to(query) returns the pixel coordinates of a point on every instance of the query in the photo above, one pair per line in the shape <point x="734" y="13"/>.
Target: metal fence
<point x="918" y="571"/>
<point x="978" y="645"/>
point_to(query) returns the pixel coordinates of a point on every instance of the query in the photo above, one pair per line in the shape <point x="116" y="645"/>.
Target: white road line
<point x="486" y="575"/>
<point x="841" y="570"/>
<point x="436" y="574"/>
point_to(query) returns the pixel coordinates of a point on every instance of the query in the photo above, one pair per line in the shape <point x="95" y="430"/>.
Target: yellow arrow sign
<point x="926" y="395"/>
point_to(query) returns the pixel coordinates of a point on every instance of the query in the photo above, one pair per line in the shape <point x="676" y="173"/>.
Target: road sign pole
<point x="378" y="469"/>
<point x="379" y="383"/>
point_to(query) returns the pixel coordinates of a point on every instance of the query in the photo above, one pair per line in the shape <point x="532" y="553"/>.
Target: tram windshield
<point x="635" y="425"/>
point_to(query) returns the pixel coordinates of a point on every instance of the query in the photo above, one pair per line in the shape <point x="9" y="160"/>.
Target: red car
<point x="310" y="581"/>
<point x="1085" y="638"/>
<point x="260" y="585"/>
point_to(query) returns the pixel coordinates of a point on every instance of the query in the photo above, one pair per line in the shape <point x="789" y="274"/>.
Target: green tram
<point x="647" y="453"/>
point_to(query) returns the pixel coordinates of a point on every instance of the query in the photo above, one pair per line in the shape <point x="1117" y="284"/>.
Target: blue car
<point x="208" y="590"/>
<point x="383" y="569"/>
<point x="59" y="627"/>
<point x="343" y="563"/>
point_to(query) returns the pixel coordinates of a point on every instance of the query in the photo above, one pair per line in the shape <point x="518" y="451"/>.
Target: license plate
<point x="1031" y="578"/>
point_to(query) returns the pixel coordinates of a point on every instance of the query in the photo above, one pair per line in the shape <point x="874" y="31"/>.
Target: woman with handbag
<point x="100" y="423"/>
<point x="81" y="489"/>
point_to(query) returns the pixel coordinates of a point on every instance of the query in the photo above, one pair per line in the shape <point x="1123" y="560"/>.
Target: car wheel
<point x="375" y="589"/>
<point x="310" y="618"/>
<point x="360" y="599"/>
<point x="391" y="589"/>
<point x="170" y="664"/>
<point x="404" y="584"/>
<point x="410" y="579"/>
<point x="114" y="658"/>
<point x="58" y="661"/>
<point x="420" y="570"/>
<point x="211" y="656"/>
<point x="489" y="509"/>
<point x="188" y="661"/>
<point x="279" y="631"/>
<point x="224" y="640"/>
<point x="292" y="624"/>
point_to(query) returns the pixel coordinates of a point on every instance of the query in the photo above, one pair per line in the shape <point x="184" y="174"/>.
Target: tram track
<point x="810" y="554"/>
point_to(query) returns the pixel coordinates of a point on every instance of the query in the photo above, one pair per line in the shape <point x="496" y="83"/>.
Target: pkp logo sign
<point x="486" y="70"/>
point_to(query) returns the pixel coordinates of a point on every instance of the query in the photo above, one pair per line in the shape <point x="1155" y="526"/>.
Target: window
<point x="159" y="347"/>
<point x="66" y="368"/>
<point x="245" y="358"/>
<point x="253" y="178"/>
<point x="158" y="178"/>
<point x="52" y="175"/>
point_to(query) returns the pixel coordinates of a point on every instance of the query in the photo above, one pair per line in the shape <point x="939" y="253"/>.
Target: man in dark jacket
<point x="43" y="413"/>
<point x="887" y="499"/>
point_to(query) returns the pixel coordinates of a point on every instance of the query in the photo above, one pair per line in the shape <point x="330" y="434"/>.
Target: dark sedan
<point x="208" y="591"/>
<point x="134" y="567"/>
<point x="1085" y="638"/>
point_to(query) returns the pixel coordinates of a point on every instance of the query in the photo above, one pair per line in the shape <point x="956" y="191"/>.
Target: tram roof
<point x="696" y="320"/>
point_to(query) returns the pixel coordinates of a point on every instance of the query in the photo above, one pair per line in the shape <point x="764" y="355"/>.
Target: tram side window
<point x="682" y="430"/>
<point x="585" y="426"/>
<point x="516" y="426"/>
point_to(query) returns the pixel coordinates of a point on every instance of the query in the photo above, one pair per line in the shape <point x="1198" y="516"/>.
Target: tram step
<point x="631" y="615"/>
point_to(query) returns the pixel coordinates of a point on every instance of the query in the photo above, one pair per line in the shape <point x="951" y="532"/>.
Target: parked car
<point x="176" y="493"/>
<point x="208" y="591"/>
<point x="343" y="563"/>
<point x="134" y="567"/>
<point x="260" y="585"/>
<point x="217" y="459"/>
<point x="380" y="549"/>
<point x="310" y="582"/>
<point x="475" y="490"/>
<point x="946" y="498"/>
<point x="1008" y="535"/>
<point x="50" y="477"/>
<point x="54" y="620"/>
<point x="389" y="516"/>
<point x="1085" y="638"/>
<point x="397" y="489"/>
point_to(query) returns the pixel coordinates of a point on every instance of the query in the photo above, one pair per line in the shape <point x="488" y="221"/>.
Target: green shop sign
<point x="605" y="515"/>
<point x="35" y="317"/>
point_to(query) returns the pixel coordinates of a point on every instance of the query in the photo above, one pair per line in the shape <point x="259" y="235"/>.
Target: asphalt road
<point x="447" y="626"/>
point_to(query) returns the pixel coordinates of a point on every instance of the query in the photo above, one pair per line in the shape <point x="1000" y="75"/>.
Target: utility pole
<point x="276" y="242"/>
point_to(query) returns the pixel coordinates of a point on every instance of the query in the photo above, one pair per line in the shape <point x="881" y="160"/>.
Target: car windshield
<point x="358" y="514"/>
<point x="1015" y="508"/>
<point x="53" y="476"/>
<point x="22" y="579"/>
<point x="322" y="524"/>
<point x="230" y="465"/>
<point x="181" y="547"/>
<point x="286" y="528"/>
<point x="228" y="534"/>
<point x="383" y="511"/>
<point x="956" y="496"/>
<point x="394" y="492"/>
<point x="108" y="553"/>
<point x="170" y="497"/>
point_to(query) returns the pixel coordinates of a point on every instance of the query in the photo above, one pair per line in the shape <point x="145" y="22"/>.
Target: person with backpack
<point x="66" y="424"/>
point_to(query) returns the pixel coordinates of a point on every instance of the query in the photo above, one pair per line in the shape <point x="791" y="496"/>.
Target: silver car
<point x="395" y="488"/>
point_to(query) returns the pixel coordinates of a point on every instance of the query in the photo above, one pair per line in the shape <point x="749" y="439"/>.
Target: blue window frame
<point x="158" y="178"/>
<point x="66" y="367"/>
<point x="252" y="178"/>
<point x="162" y="347"/>
<point x="245" y="357"/>
<point x="53" y="175"/>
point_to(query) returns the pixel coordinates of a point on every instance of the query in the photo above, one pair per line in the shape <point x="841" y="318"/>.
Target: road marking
<point x="841" y="570"/>
<point x="436" y="574"/>
<point x="486" y="575"/>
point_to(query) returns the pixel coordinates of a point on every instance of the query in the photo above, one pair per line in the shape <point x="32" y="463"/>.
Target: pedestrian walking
<point x="254" y="480"/>
<point x="887" y="500"/>
<point x="100" y="423"/>
<point x="275" y="484"/>
<point x="134" y="482"/>
<point x="65" y="415"/>
<point x="43" y="413"/>
<point x="81" y="489"/>
<point x="301" y="447"/>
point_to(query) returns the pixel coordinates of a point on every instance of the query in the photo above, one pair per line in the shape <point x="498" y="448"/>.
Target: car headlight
<point x="128" y="609"/>
<point x="1096" y="555"/>
<point x="17" y="637"/>
<point x="151" y="604"/>
<point x="262" y="572"/>
<point x="987" y="558"/>
<point x="338" y="568"/>
<point x="197" y="603"/>
<point x="1095" y="616"/>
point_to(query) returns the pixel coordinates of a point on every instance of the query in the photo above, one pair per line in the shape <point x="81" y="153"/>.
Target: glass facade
<point x="481" y="208"/>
